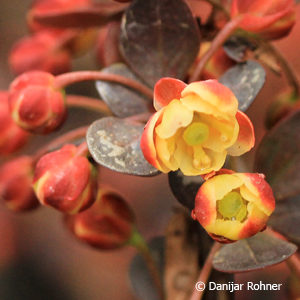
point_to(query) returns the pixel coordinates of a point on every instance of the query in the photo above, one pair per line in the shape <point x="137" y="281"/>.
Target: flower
<point x="233" y="206"/>
<point x="41" y="51"/>
<point x="65" y="181"/>
<point x="12" y="137"/>
<point x="272" y="19"/>
<point x="195" y="127"/>
<point x="35" y="104"/>
<point x="107" y="224"/>
<point x="216" y="66"/>
<point x="15" y="184"/>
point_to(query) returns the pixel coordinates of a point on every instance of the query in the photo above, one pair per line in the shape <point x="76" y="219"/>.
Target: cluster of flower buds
<point x="193" y="130"/>
<point x="271" y="19"/>
<point x="108" y="224"/>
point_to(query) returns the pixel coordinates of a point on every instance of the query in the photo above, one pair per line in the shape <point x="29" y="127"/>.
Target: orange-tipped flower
<point x="216" y="66"/>
<point x="195" y="127"/>
<point x="65" y="181"/>
<point x="271" y="19"/>
<point x="108" y="224"/>
<point x="12" y="137"/>
<point x="234" y="206"/>
<point x="15" y="184"/>
<point x="35" y="104"/>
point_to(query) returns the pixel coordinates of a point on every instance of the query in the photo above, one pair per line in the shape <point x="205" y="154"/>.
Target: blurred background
<point x="39" y="259"/>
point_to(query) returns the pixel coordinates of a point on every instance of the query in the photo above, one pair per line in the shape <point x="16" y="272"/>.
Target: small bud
<point x="15" y="184"/>
<point x="65" y="181"/>
<point x="233" y="206"/>
<point x="41" y="51"/>
<point x="35" y="104"/>
<point x="108" y="224"/>
<point x="12" y="137"/>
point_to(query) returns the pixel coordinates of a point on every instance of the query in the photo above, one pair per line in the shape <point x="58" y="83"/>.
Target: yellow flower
<point x="195" y="127"/>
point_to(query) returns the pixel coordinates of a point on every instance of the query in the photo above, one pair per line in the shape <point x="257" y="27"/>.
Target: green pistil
<point x="196" y="134"/>
<point x="232" y="206"/>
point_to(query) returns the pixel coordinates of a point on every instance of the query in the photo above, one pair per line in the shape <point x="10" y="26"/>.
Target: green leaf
<point x="278" y="157"/>
<point x="257" y="252"/>
<point x="122" y="101"/>
<point x="115" y="143"/>
<point x="159" y="38"/>
<point x="286" y="219"/>
<point x="245" y="80"/>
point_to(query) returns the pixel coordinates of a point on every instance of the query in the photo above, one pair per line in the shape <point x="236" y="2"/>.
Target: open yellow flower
<point x="232" y="206"/>
<point x="195" y="127"/>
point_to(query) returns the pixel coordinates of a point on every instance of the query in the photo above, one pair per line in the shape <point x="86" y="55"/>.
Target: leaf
<point x="259" y="251"/>
<point x="286" y="218"/>
<point x="139" y="276"/>
<point x="245" y="80"/>
<point x="159" y="38"/>
<point x="115" y="143"/>
<point x="236" y="48"/>
<point x="122" y="101"/>
<point x="185" y="188"/>
<point x="278" y="157"/>
<point x="85" y="16"/>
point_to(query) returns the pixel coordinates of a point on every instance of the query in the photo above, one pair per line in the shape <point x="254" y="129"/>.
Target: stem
<point x="88" y="103"/>
<point x="69" y="78"/>
<point x="219" y="40"/>
<point x="82" y="150"/>
<point x="139" y="243"/>
<point x="140" y="118"/>
<point x="65" y="138"/>
<point x="206" y="270"/>
<point x="294" y="264"/>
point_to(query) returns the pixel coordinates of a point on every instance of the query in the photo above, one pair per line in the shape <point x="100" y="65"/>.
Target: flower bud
<point x="15" y="184"/>
<point x="284" y="104"/>
<point x="272" y="19"/>
<point x="216" y="66"/>
<point x="65" y="181"/>
<point x="107" y="224"/>
<point x="233" y="206"/>
<point x="12" y="137"/>
<point x="35" y="104"/>
<point x="42" y="51"/>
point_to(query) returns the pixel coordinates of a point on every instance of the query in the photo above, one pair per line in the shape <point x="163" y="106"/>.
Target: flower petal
<point x="246" y="138"/>
<point x="175" y="116"/>
<point x="166" y="90"/>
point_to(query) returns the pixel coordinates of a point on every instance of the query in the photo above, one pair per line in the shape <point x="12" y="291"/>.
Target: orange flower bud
<point x="42" y="51"/>
<point x="35" y="104"/>
<point x="65" y="181"/>
<point x="196" y="126"/>
<point x="216" y="66"/>
<point x="108" y="224"/>
<point x="234" y="206"/>
<point x="15" y="184"/>
<point x="271" y="19"/>
<point x="12" y="137"/>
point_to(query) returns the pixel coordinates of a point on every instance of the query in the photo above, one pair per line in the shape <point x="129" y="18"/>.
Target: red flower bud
<point x="64" y="180"/>
<point x="35" y="104"/>
<point x="42" y="51"/>
<point x="44" y="7"/>
<point x="15" y="184"/>
<point x="272" y="19"/>
<point x="12" y="137"/>
<point x="108" y="224"/>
